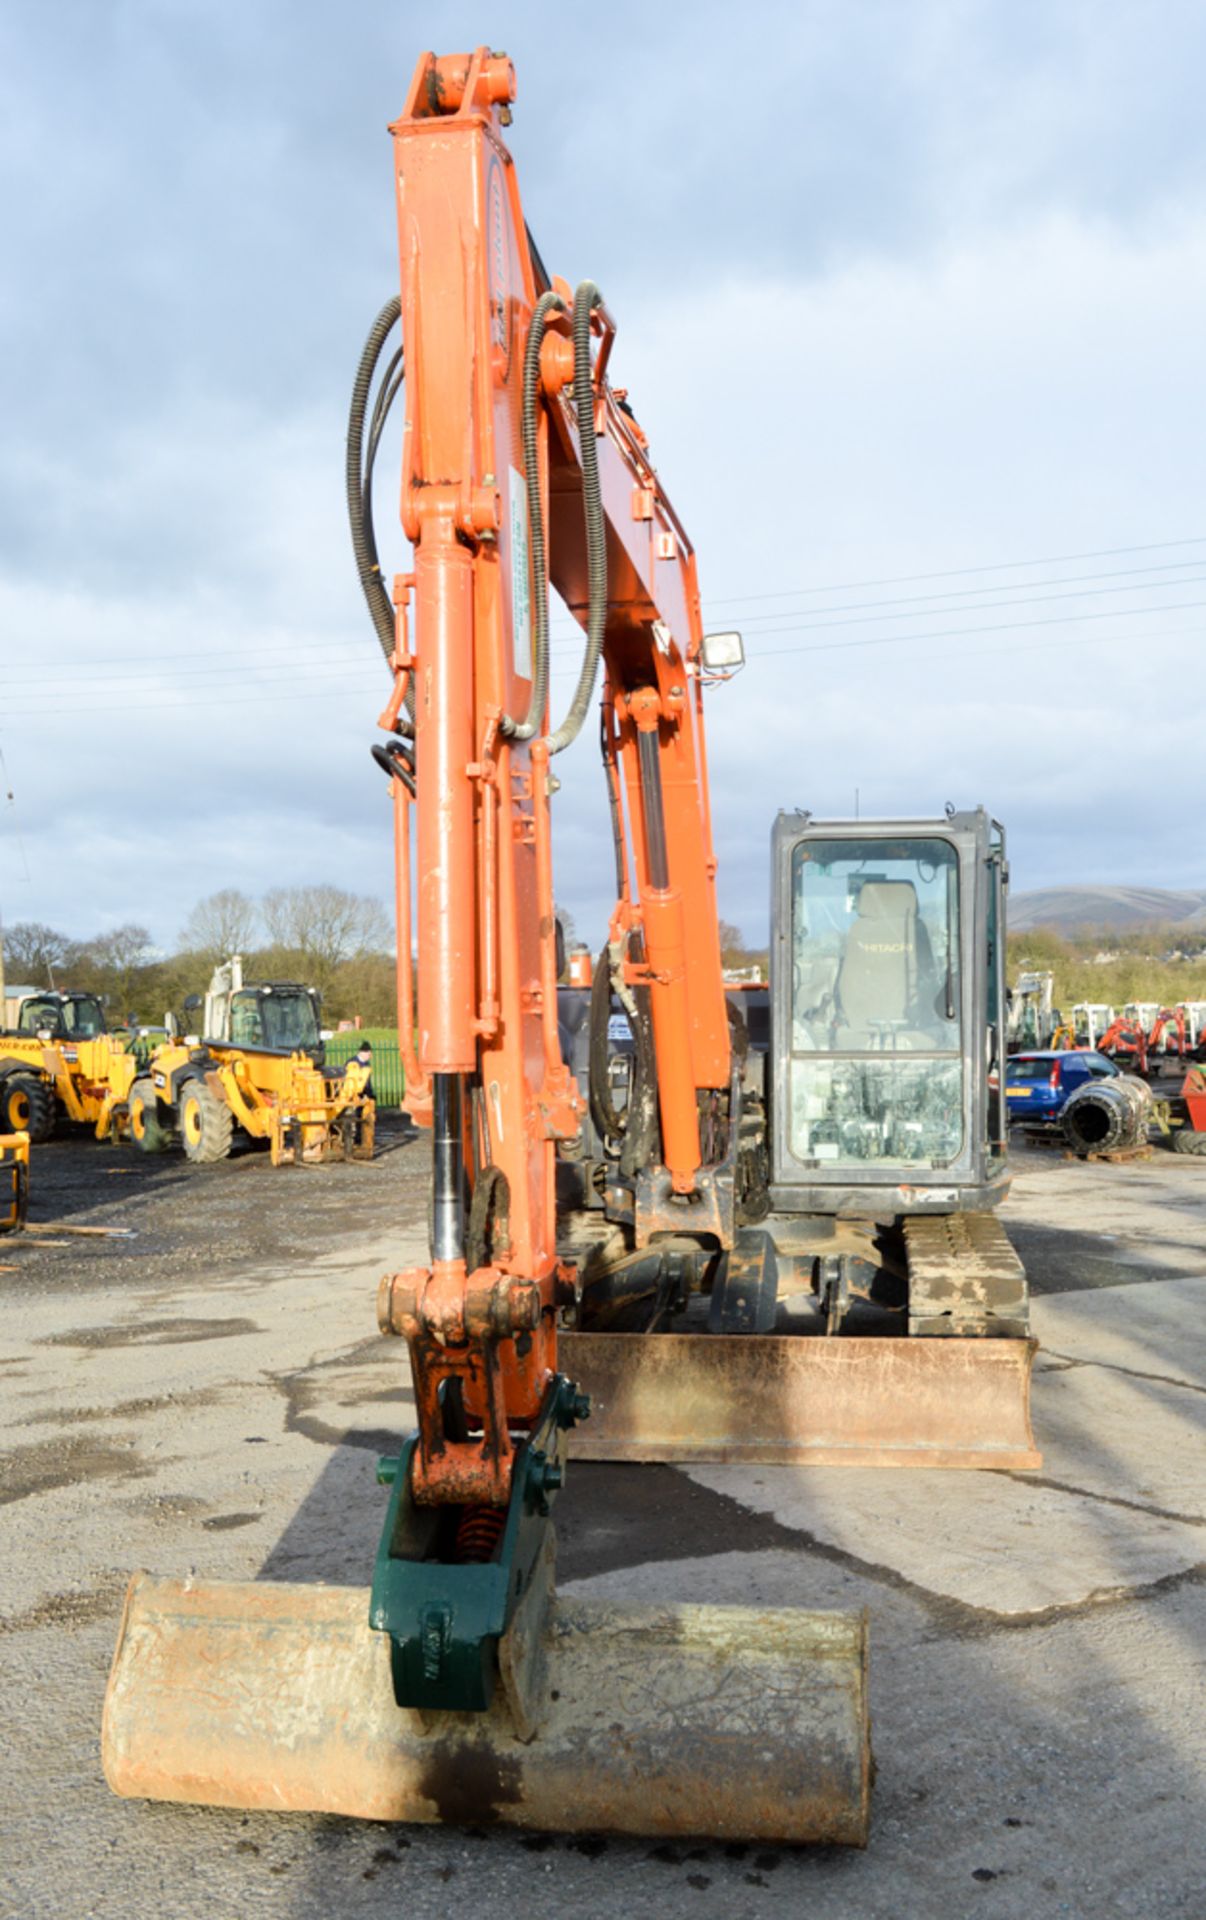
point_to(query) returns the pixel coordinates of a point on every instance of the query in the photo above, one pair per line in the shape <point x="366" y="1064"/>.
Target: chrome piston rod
<point x="448" y="1168"/>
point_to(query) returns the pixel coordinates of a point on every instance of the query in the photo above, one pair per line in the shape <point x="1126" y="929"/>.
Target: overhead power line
<point x="565" y="674"/>
<point x="963" y="573"/>
<point x="113" y="697"/>
<point x="186" y="705"/>
<point x="570" y="632"/>
<point x="276" y="649"/>
<point x="989" y="606"/>
<point x="329" y="659"/>
<point x="955" y="633"/>
<point x="984" y="606"/>
<point x="1086" y="584"/>
<point x="921" y="604"/>
<point x="1058" y="646"/>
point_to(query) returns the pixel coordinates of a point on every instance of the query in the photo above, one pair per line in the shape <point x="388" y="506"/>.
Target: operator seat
<point x="878" y="979"/>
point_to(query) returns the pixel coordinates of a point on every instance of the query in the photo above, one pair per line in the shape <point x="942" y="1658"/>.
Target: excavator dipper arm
<point x="521" y="467"/>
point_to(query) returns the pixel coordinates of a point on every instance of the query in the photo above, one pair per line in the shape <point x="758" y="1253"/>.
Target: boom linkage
<point x="523" y="467"/>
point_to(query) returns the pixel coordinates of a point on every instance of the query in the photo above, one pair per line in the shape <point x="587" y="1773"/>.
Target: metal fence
<point x="388" y="1078"/>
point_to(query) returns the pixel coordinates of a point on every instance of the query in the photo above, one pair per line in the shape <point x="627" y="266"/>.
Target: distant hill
<point x="1066" y="908"/>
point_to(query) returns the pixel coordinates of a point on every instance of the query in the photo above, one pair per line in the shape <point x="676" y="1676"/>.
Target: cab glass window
<point x="875" y="992"/>
<point x="37" y="1016"/>
<point x="84" y="1017"/>
<point x="289" y="1020"/>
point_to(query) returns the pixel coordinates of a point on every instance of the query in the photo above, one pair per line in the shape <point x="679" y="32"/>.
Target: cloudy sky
<point x="911" y="302"/>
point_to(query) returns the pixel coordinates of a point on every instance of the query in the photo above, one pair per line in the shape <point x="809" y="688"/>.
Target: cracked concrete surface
<point x="211" y="1396"/>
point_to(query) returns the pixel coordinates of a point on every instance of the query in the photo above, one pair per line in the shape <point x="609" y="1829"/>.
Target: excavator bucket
<point x="731" y="1721"/>
<point x="808" y="1401"/>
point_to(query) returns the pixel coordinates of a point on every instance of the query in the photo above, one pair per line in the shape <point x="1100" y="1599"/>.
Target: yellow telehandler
<point x="58" y="1059"/>
<point x="256" y="1061"/>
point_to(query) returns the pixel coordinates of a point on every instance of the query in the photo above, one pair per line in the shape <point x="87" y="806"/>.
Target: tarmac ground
<point x="204" y="1390"/>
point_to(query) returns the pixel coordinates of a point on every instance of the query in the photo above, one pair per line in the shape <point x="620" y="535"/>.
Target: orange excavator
<point x="1126" y="1040"/>
<point x="461" y="1685"/>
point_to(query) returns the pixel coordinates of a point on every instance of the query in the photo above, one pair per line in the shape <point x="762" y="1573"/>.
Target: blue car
<point x="1038" y="1084"/>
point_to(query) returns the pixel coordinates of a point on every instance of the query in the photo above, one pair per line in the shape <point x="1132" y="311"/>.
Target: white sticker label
<point x="618" y="1027"/>
<point x="521" y="599"/>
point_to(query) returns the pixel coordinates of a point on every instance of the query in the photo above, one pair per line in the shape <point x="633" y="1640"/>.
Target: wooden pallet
<point x="1116" y="1156"/>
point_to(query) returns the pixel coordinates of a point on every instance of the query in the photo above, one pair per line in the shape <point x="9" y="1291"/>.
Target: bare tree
<point x="120" y="955"/>
<point x="733" y="950"/>
<point x="325" y="926"/>
<point x="32" y="953"/>
<point x="221" y="924"/>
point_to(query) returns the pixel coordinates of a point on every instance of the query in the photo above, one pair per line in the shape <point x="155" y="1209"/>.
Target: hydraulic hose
<point x="359" y="484"/>
<point x="613" y="806"/>
<point x="586" y="298"/>
<point x="609" y="1121"/>
<point x="634" y="1129"/>
<point x="525" y="729"/>
<point x="359" y="472"/>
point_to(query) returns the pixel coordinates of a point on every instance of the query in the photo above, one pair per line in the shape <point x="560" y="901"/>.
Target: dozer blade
<point x="805" y="1400"/>
<point x="676" y="1720"/>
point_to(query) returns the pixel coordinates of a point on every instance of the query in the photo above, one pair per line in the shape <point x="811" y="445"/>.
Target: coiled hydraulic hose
<point x="359" y="484"/>
<point x="359" y="472"/>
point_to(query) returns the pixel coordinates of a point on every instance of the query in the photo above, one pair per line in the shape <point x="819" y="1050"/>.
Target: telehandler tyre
<point x="27" y="1106"/>
<point x="147" y="1129"/>
<point x="206" y="1124"/>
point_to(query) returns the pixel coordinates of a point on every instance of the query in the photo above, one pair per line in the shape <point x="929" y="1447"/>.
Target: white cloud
<point x="918" y="290"/>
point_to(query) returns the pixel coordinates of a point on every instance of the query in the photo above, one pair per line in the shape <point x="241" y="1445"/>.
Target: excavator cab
<point x="865" y="1205"/>
<point x="887" y="1008"/>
